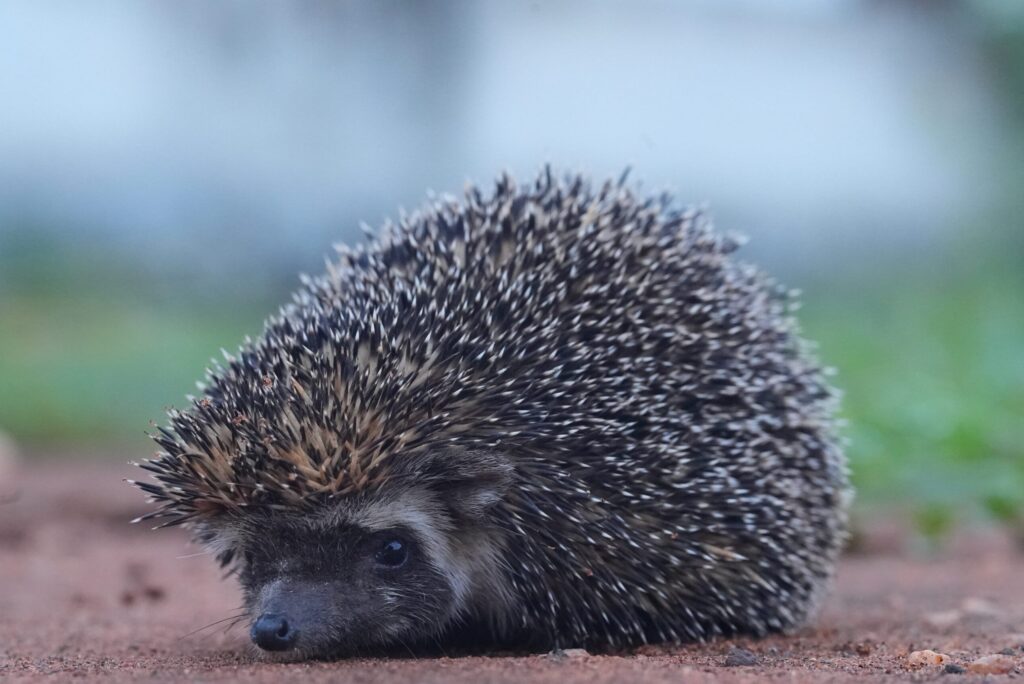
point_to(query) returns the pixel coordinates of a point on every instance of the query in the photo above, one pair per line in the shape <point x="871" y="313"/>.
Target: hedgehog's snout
<point x="273" y="632"/>
<point x="289" y="615"/>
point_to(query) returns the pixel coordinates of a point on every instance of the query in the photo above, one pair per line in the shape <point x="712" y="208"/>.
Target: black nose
<point x="272" y="633"/>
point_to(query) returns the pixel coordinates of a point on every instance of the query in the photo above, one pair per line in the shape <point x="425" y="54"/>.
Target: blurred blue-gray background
<point x="167" y="168"/>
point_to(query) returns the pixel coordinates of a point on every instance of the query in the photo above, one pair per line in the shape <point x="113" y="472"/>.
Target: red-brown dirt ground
<point x="84" y="596"/>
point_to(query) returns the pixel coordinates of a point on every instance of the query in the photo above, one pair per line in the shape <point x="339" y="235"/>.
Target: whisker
<point x="235" y="622"/>
<point x="214" y="624"/>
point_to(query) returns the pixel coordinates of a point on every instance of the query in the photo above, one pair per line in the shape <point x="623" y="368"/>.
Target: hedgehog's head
<point x="393" y="565"/>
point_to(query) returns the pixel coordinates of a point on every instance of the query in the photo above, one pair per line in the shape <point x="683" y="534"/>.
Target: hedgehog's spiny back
<point x="454" y="314"/>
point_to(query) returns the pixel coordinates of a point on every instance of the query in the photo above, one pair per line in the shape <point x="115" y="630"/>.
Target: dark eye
<point x="392" y="553"/>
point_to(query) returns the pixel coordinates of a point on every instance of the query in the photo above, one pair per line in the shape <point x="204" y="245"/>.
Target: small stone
<point x="953" y="668"/>
<point x="740" y="657"/>
<point x="569" y="654"/>
<point x="943" y="619"/>
<point x="927" y="657"/>
<point x="1008" y="651"/>
<point x="992" y="664"/>
<point x="980" y="607"/>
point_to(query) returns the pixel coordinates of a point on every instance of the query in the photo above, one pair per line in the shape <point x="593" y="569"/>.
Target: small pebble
<point x="992" y="664"/>
<point x="943" y="619"/>
<point x="569" y="654"/>
<point x="953" y="668"/>
<point x="1008" y="651"/>
<point x="740" y="657"/>
<point x="927" y="657"/>
<point x="980" y="607"/>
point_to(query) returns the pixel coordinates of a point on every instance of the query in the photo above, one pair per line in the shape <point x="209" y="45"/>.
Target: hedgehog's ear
<point x="470" y="482"/>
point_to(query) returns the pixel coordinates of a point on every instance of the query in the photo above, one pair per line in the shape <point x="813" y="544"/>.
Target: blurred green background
<point x="121" y="275"/>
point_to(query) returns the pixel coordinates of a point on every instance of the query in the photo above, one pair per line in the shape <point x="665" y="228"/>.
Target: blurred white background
<point x="208" y="135"/>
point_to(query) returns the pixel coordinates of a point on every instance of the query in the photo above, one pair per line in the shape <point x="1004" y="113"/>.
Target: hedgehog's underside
<point x="674" y="472"/>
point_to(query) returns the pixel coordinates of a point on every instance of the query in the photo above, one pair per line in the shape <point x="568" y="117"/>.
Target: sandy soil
<point x="85" y="595"/>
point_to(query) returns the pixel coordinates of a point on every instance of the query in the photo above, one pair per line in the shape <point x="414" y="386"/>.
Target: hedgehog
<point x="559" y="414"/>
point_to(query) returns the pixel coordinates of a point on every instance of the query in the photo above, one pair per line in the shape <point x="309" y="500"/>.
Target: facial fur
<point x="330" y="573"/>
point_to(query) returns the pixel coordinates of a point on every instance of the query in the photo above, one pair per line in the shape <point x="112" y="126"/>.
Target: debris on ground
<point x="992" y="664"/>
<point x="927" y="657"/>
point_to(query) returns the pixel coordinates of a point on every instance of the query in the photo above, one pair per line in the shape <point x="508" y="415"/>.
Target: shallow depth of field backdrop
<point x="167" y="169"/>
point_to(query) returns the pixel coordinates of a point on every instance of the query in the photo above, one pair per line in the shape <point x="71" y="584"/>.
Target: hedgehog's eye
<point x="392" y="553"/>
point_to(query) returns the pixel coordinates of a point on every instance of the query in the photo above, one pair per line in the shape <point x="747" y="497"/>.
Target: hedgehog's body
<point x="556" y="414"/>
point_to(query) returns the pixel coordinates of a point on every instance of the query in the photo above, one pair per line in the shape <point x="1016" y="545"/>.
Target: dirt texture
<point x="85" y="596"/>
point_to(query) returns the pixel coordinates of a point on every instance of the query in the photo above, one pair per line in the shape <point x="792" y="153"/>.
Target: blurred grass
<point x="932" y="372"/>
<point x="98" y="369"/>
